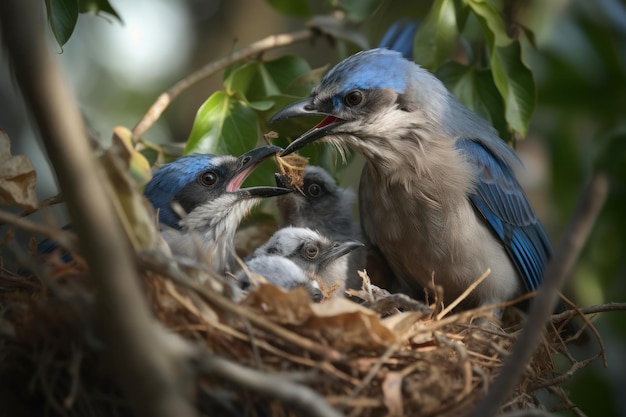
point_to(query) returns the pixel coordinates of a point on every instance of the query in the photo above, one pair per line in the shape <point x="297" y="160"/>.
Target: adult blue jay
<point x="438" y="195"/>
<point x="281" y="272"/>
<point x="323" y="206"/>
<point x="206" y="190"/>
<point x="319" y="256"/>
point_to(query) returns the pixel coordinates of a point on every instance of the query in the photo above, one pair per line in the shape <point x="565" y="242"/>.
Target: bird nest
<point x="388" y="355"/>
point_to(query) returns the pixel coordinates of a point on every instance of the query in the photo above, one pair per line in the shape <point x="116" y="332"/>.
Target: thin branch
<point x="63" y="238"/>
<point x="256" y="48"/>
<point x="57" y="199"/>
<point x="528" y="413"/>
<point x="577" y="232"/>
<point x="150" y="363"/>
<point x="599" y="308"/>
<point x="273" y="385"/>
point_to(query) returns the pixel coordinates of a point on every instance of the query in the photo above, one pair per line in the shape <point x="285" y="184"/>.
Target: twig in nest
<point x="165" y="269"/>
<point x="63" y="238"/>
<point x="464" y="295"/>
<point x="300" y="397"/>
<point x="57" y="199"/>
<point x="164" y="100"/>
<point x="462" y="360"/>
<point x="558" y="269"/>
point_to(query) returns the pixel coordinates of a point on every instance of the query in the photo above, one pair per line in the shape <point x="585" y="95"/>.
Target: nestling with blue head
<point x="438" y="195"/>
<point x="211" y="204"/>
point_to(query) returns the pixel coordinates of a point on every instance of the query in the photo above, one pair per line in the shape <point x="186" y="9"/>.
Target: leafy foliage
<point x="63" y="15"/>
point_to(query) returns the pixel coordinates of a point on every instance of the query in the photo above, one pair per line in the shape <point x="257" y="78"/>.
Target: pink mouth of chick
<point x="238" y="179"/>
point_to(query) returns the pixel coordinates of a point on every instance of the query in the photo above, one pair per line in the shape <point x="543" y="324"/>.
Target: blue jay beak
<point x="246" y="164"/>
<point x="339" y="249"/>
<point x="306" y="108"/>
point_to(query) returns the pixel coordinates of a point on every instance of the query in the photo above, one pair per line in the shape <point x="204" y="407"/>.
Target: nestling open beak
<point x="306" y="108"/>
<point x="247" y="163"/>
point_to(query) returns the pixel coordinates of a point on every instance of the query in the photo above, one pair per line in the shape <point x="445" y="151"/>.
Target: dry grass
<point x="390" y="356"/>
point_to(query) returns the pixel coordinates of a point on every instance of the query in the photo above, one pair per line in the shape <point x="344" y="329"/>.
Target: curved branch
<point x="599" y="308"/>
<point x="164" y="100"/>
<point x="150" y="363"/>
<point x="577" y="232"/>
<point x="300" y="397"/>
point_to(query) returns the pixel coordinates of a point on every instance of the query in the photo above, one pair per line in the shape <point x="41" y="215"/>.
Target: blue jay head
<point x="207" y="189"/>
<point x="320" y="203"/>
<point x="309" y="249"/>
<point x="366" y="91"/>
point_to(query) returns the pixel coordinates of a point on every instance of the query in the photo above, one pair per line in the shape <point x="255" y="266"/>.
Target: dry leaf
<point x="17" y="177"/>
<point x="392" y="393"/>
<point x="133" y="209"/>
<point x="341" y="323"/>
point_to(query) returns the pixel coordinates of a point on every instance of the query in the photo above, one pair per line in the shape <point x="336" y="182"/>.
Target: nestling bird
<point x="321" y="205"/>
<point x="206" y="189"/>
<point x="281" y="272"/>
<point x="438" y="195"/>
<point x="316" y="254"/>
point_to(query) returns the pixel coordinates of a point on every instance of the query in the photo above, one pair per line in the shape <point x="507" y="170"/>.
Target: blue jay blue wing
<point x="504" y="206"/>
<point x="47" y="246"/>
<point x="399" y="37"/>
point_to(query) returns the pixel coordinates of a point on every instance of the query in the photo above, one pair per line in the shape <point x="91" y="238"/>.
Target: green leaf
<point x="139" y="166"/>
<point x="275" y="77"/>
<point x="491" y="21"/>
<point x="258" y="80"/>
<point x="356" y="10"/>
<point x="62" y="16"/>
<point x="339" y="29"/>
<point x="298" y="8"/>
<point x="261" y="105"/>
<point x="477" y="91"/>
<point x="239" y="78"/>
<point x="224" y="125"/>
<point x="436" y="37"/>
<point x="516" y="85"/>
<point x="97" y="6"/>
<point x="302" y="85"/>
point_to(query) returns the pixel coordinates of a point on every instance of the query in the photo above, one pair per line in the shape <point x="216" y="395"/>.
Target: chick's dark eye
<point x="311" y="251"/>
<point x="314" y="190"/>
<point x="353" y="98"/>
<point x="208" y="178"/>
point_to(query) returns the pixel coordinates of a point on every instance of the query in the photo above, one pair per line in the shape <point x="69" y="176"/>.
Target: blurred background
<point x="117" y="70"/>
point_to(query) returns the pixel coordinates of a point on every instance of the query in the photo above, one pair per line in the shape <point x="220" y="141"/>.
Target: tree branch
<point x="300" y="397"/>
<point x="148" y="366"/>
<point x="541" y="309"/>
<point x="164" y="100"/>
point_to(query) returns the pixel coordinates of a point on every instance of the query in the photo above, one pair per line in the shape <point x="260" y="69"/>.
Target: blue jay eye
<point x="353" y="98"/>
<point x="314" y="190"/>
<point x="208" y="178"/>
<point x="311" y="251"/>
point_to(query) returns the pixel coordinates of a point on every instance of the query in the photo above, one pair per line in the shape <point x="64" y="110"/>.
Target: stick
<point x="164" y="100"/>
<point x="558" y="270"/>
<point x="150" y="363"/>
